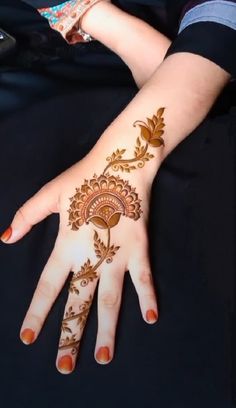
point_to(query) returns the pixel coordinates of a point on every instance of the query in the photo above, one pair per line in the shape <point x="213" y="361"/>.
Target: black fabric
<point x="207" y="39"/>
<point x="52" y="111"/>
<point x="213" y="41"/>
<point x="43" y="3"/>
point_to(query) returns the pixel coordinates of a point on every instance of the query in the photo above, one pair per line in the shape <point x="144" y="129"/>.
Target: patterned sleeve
<point x="208" y="28"/>
<point x="64" y="17"/>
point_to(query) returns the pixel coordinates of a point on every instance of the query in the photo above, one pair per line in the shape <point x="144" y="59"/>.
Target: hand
<point x="97" y="214"/>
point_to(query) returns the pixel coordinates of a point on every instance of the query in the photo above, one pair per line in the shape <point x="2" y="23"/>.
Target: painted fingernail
<point x="103" y="355"/>
<point x="27" y="336"/>
<point x="6" y="235"/>
<point x="151" y="316"/>
<point x="65" y="364"/>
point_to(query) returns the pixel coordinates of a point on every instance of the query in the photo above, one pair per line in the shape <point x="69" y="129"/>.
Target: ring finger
<point x="109" y="300"/>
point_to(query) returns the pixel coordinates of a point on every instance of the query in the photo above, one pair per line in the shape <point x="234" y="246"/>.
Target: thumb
<point x="38" y="207"/>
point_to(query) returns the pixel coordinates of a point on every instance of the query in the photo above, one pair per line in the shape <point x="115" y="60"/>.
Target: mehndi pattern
<point x="102" y="201"/>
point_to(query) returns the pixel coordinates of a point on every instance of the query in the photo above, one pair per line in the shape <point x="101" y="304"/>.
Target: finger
<point x="77" y="308"/>
<point x="38" y="207"/>
<point x="50" y="284"/>
<point x="140" y="272"/>
<point x="109" y="300"/>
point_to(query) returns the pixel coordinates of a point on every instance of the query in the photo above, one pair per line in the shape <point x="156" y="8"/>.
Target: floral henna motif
<point x="151" y="133"/>
<point x="86" y="274"/>
<point x="102" y="201"/>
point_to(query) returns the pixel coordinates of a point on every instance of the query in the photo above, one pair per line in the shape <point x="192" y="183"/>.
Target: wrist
<point x="134" y="149"/>
<point x="98" y="19"/>
<point x="109" y="25"/>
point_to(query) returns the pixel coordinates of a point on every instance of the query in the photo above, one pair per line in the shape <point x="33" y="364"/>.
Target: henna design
<point x="102" y="200"/>
<point x="81" y="317"/>
<point x="71" y="343"/>
<point x="86" y="274"/>
<point x="151" y="133"/>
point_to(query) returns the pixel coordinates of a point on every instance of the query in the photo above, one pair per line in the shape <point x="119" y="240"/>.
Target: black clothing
<point x="184" y="361"/>
<point x="210" y="29"/>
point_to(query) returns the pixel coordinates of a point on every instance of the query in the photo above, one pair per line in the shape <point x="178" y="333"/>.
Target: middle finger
<point x="81" y="292"/>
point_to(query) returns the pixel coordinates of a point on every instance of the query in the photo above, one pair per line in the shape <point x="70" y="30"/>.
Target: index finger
<point x="49" y="286"/>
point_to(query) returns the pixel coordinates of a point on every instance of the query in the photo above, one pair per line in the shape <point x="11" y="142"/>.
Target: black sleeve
<point x="212" y="40"/>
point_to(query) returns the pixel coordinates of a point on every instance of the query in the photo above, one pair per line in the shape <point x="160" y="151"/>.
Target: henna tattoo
<point x="151" y="133"/>
<point x="86" y="274"/>
<point x="81" y="317"/>
<point x="102" y="200"/>
<point x="69" y="343"/>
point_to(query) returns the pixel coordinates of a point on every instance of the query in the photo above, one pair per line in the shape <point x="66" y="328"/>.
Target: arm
<point x="132" y="39"/>
<point x="103" y="219"/>
<point x="187" y="86"/>
<point x="139" y="45"/>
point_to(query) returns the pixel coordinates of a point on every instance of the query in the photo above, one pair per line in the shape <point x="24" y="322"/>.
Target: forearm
<point x="140" y="46"/>
<point x="187" y="86"/>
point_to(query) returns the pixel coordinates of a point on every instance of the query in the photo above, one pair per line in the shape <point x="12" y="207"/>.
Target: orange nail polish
<point x="27" y="336"/>
<point x="103" y="355"/>
<point x="151" y="316"/>
<point x="6" y="235"/>
<point x="65" y="364"/>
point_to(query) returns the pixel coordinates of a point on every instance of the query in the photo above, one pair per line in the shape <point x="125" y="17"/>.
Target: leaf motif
<point x="151" y="124"/>
<point x="157" y="134"/>
<point x="138" y="148"/>
<point x="117" y="155"/>
<point x="157" y="142"/>
<point x="160" y="126"/>
<point x="145" y="133"/>
<point x="67" y="329"/>
<point x="99" y="222"/>
<point x="149" y="155"/>
<point x="114" y="219"/>
<point x="154" y="119"/>
<point x="99" y="246"/>
<point x="160" y="112"/>
<point x="112" y="251"/>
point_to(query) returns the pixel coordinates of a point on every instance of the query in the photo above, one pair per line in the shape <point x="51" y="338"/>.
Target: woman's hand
<point x="102" y="234"/>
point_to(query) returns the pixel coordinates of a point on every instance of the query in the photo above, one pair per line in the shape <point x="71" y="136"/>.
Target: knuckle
<point x="109" y="299"/>
<point x="46" y="187"/>
<point x="22" y="213"/>
<point x="35" y="319"/>
<point x="46" y="288"/>
<point x="145" y="278"/>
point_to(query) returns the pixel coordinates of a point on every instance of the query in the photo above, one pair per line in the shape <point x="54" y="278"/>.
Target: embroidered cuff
<point x="65" y="18"/>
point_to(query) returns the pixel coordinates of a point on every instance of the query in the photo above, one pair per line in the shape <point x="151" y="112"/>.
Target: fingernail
<point x="151" y="316"/>
<point x="103" y="355"/>
<point x="6" y="235"/>
<point x="27" y="336"/>
<point x="65" y="364"/>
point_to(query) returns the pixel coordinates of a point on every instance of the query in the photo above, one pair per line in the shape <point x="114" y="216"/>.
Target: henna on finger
<point x="70" y="341"/>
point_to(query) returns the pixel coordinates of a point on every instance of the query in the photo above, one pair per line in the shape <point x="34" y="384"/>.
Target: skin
<point x="186" y="85"/>
<point x="86" y="208"/>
